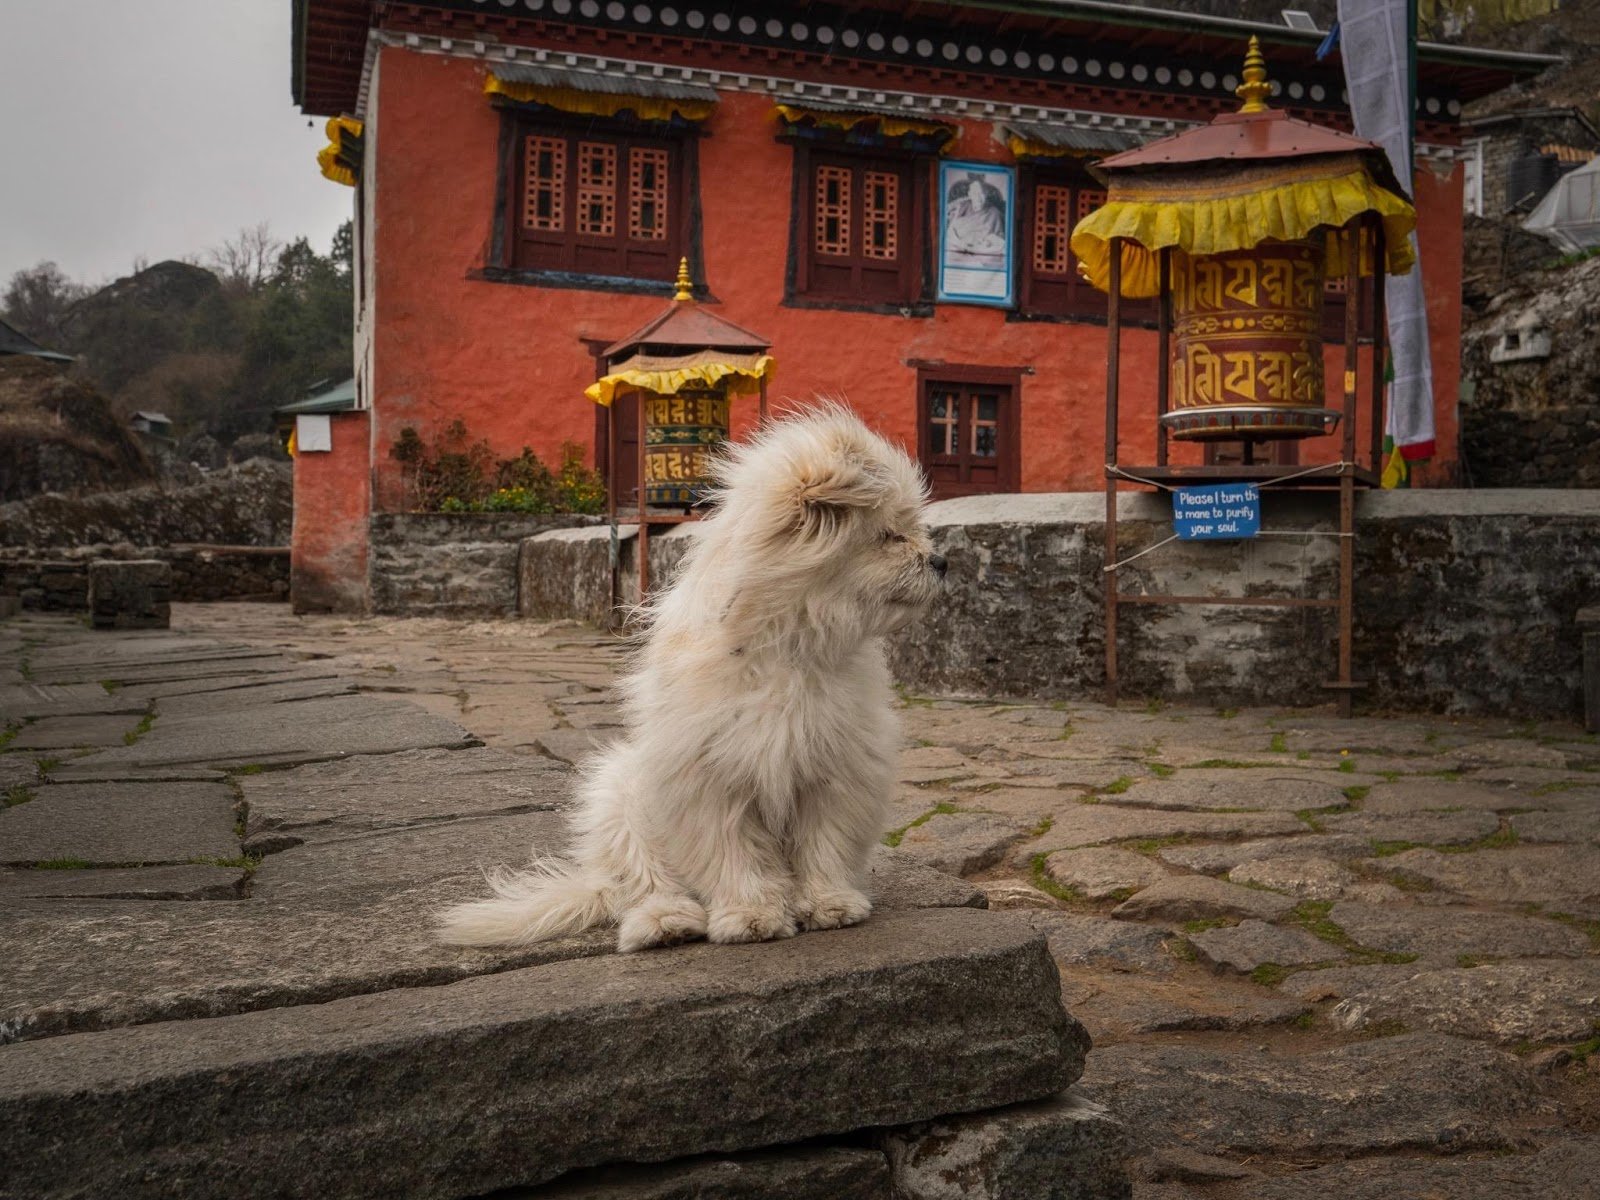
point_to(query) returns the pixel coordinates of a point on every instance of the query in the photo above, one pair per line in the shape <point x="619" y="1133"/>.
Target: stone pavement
<point x="1312" y="954"/>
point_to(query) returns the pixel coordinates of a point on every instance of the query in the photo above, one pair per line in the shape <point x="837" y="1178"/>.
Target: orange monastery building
<point x="527" y="175"/>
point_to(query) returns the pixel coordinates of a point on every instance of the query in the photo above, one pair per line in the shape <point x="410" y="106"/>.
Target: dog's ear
<point x="827" y="494"/>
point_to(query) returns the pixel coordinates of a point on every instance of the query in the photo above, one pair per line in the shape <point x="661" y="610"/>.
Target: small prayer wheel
<point x="679" y="432"/>
<point x="1246" y="358"/>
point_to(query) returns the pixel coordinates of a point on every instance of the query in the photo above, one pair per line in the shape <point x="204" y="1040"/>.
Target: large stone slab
<point x="962" y="842"/>
<point x="305" y="937"/>
<point x="1200" y="898"/>
<point x="1561" y="877"/>
<point x="1548" y="1001"/>
<point x="1424" y="828"/>
<point x="277" y="689"/>
<point x="65" y="700"/>
<point x="120" y="823"/>
<point x="1405" y="797"/>
<point x="1252" y="944"/>
<point x="793" y="1173"/>
<point x="1227" y="855"/>
<point x="902" y="1019"/>
<point x="189" y="882"/>
<point x="72" y="733"/>
<point x="1415" y="1091"/>
<point x="1437" y="932"/>
<point x="1065" y="1148"/>
<point x="379" y="791"/>
<point x="1253" y="790"/>
<point x="1115" y="1007"/>
<point x="1568" y="1170"/>
<point x="1086" y="941"/>
<point x="1310" y="877"/>
<point x="299" y="732"/>
<point x="160" y="671"/>
<point x="1103" y="872"/>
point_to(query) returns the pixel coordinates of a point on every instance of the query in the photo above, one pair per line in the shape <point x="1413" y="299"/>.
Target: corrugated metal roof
<point x="1074" y="137"/>
<point x="341" y="397"/>
<point x="619" y="84"/>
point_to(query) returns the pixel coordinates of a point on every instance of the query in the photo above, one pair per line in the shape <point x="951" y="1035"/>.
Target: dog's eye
<point x="890" y="536"/>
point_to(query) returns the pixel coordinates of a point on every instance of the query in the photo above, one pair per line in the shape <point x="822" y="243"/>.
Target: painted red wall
<point x="332" y="501"/>
<point x="508" y="359"/>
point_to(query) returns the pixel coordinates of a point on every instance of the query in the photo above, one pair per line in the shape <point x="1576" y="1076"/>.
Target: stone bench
<point x="130" y="594"/>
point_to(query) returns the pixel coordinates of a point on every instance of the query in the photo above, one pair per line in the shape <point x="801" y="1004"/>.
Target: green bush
<point x="455" y="475"/>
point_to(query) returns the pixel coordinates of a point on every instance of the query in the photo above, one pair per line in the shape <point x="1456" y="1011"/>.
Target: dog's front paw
<point x="661" y="921"/>
<point x="832" y="909"/>
<point x="750" y="923"/>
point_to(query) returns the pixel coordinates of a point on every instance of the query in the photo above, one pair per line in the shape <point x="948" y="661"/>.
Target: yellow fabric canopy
<point x="665" y="376"/>
<point x="1218" y="210"/>
<point x="600" y="104"/>
<point x="888" y="125"/>
<point x="1022" y="147"/>
<point x="340" y="158"/>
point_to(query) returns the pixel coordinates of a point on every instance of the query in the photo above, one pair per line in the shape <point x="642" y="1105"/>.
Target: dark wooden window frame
<point x="915" y="268"/>
<point x="684" y="239"/>
<point x="1008" y="443"/>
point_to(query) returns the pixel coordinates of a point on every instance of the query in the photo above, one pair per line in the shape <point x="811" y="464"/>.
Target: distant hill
<point x="58" y="433"/>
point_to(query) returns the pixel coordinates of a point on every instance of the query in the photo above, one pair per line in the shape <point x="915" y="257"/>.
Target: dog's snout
<point x="937" y="564"/>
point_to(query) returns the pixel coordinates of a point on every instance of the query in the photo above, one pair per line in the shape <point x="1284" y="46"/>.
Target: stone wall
<point x="452" y="564"/>
<point x="1465" y="600"/>
<point x="199" y="573"/>
<point x="246" y="505"/>
<point x="566" y="574"/>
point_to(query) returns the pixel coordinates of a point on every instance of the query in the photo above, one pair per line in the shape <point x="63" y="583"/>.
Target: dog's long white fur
<point x="752" y="782"/>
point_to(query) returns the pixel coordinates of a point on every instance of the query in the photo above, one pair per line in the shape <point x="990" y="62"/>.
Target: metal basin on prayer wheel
<point x="1247" y="344"/>
<point x="679" y="431"/>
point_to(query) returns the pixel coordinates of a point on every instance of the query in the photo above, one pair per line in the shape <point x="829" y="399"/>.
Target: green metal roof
<point x="341" y="397"/>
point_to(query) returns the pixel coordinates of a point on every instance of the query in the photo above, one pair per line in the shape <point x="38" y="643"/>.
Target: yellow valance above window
<point x="340" y="159"/>
<point x="601" y="103"/>
<point x="889" y="124"/>
<point x="743" y="373"/>
<point x="1230" y="208"/>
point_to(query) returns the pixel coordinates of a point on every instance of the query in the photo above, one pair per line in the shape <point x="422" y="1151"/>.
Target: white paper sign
<point x="313" y="431"/>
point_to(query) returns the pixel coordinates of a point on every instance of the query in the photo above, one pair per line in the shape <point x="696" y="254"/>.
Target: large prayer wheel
<point x="679" y="431"/>
<point x="1247" y="343"/>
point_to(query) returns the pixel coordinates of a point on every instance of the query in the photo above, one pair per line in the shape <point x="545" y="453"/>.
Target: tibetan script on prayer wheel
<point x="679" y="431"/>
<point x="1247" y="344"/>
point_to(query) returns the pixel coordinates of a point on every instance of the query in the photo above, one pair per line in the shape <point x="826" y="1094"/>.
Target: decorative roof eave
<point x="327" y="40"/>
<point x="888" y="120"/>
<point x="601" y="95"/>
<point x="1045" y="140"/>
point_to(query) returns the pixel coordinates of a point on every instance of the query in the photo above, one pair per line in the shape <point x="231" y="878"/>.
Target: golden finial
<point x="1255" y="89"/>
<point x="685" y="284"/>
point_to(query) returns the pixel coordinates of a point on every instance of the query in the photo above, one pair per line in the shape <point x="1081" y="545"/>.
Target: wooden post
<point x="1113" y="367"/>
<point x="642" y="542"/>
<point x="1164" y="350"/>
<point x="615" y="549"/>
<point x="1380" y="341"/>
<point x="1347" y="481"/>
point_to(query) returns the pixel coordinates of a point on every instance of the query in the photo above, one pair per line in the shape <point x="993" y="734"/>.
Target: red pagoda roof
<point x="1240" y="136"/>
<point x="686" y="326"/>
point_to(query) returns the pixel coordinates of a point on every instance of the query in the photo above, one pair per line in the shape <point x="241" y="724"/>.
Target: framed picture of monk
<point x="977" y="234"/>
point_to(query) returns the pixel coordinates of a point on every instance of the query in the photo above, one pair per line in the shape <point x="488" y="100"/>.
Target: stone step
<point x="515" y="1078"/>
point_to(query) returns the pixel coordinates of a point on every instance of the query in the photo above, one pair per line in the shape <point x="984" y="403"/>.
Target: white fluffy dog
<point x="753" y="780"/>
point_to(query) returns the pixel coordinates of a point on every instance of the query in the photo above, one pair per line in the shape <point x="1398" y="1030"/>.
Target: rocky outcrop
<point x="57" y="433"/>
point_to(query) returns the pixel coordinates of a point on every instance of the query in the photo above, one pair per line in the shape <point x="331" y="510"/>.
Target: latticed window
<point x="544" y="195"/>
<point x="1050" y="284"/>
<point x="881" y="215"/>
<point x="833" y="210"/>
<point x="597" y="204"/>
<point x="647" y="194"/>
<point x="856" y="232"/>
<point x="1052" y="226"/>
<point x="597" y="189"/>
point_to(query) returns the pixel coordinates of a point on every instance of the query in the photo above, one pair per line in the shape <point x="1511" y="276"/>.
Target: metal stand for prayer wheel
<point x="1239" y="325"/>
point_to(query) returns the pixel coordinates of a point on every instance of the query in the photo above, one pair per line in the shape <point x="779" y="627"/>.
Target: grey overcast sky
<point x="153" y="128"/>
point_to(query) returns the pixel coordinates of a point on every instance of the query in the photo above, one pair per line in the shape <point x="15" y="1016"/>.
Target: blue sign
<point x="1219" y="510"/>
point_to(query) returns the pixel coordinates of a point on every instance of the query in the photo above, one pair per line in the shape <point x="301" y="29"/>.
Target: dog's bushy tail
<point x="546" y="901"/>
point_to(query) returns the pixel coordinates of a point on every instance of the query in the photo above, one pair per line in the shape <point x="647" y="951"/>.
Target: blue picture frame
<point x="977" y="234"/>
